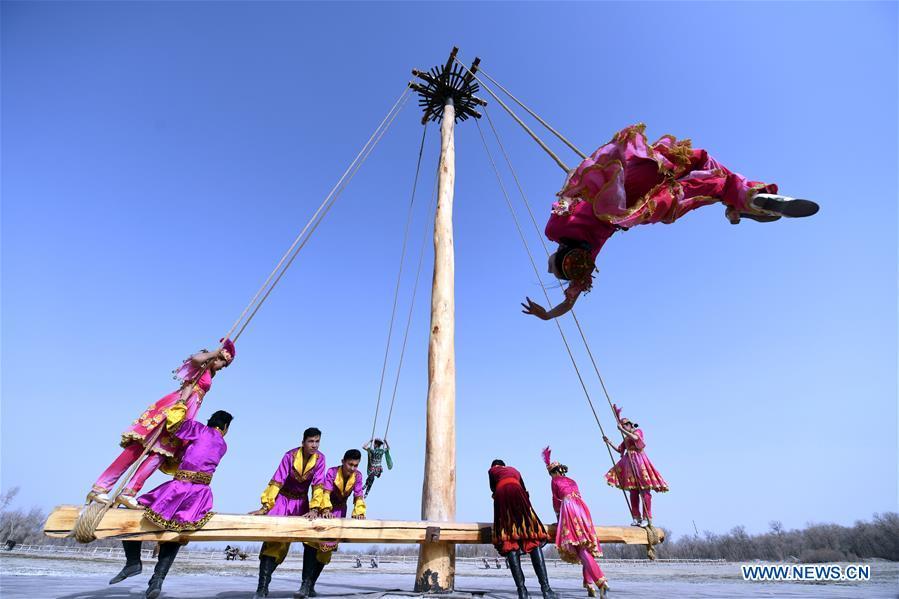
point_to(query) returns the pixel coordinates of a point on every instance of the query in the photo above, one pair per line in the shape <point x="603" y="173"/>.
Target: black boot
<point x="133" y="565"/>
<point x="540" y="570"/>
<point x="308" y="572"/>
<point x="316" y="572"/>
<point x="167" y="553"/>
<point x="514" y="560"/>
<point x="267" y="565"/>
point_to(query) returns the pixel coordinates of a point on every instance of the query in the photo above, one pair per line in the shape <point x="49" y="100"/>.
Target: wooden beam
<point x="130" y="524"/>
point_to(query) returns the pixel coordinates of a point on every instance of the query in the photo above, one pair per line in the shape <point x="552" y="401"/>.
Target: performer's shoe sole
<point x="792" y="208"/>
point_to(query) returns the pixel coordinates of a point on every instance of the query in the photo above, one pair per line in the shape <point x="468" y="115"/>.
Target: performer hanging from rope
<point x="575" y="534"/>
<point x="377" y="449"/>
<point x="629" y="182"/>
<point x="634" y="472"/>
<point x="195" y="375"/>
<point x="287" y="494"/>
<point x="184" y="503"/>
<point x="340" y="482"/>
<point x="516" y="527"/>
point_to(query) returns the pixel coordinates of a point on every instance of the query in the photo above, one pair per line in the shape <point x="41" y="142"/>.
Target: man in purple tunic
<point x="340" y="482"/>
<point x="184" y="503"/>
<point x="287" y="494"/>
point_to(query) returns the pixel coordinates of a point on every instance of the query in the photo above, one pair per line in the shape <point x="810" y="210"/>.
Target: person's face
<point x="349" y="466"/>
<point x="628" y="424"/>
<point x="551" y="265"/>
<point x="225" y="430"/>
<point x="310" y="444"/>
<point x="218" y="364"/>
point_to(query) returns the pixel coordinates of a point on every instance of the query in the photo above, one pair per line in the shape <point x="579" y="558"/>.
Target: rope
<point x="332" y="198"/>
<point x="421" y="255"/>
<point x="399" y="276"/>
<point x="90" y="517"/>
<point x="533" y="114"/>
<point x="546" y="295"/>
<point x="533" y="135"/>
<point x="652" y="539"/>
<point x="542" y="238"/>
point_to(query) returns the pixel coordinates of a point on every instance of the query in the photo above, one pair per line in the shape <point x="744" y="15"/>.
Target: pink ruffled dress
<point x="634" y="471"/>
<point x="154" y="416"/>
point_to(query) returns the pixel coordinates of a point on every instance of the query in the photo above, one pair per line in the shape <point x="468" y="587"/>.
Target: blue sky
<point x="158" y="158"/>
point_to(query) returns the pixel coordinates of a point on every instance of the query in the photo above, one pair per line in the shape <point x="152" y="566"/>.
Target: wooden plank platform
<point x="129" y="524"/>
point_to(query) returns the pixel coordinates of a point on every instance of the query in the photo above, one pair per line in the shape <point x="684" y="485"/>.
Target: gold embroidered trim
<point x="176" y="525"/>
<point x="202" y="478"/>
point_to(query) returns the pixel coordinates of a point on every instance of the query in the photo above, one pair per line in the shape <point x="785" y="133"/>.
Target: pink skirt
<point x="634" y="472"/>
<point x="575" y="530"/>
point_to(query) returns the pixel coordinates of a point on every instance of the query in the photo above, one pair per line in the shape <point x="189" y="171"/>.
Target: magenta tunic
<point x="634" y="471"/>
<point x="340" y="497"/>
<point x="293" y="498"/>
<point x="185" y="502"/>
<point x="154" y="416"/>
<point x="575" y="530"/>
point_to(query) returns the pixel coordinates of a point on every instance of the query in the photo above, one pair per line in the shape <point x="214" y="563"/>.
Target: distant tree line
<point x="878" y="538"/>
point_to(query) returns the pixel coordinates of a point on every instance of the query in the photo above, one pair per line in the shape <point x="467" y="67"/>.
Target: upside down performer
<point x="575" y="534"/>
<point x="194" y="387"/>
<point x="630" y="182"/>
<point x="634" y="472"/>
<point x="516" y="527"/>
<point x="184" y="503"/>
<point x="340" y="482"/>
<point x="287" y="494"/>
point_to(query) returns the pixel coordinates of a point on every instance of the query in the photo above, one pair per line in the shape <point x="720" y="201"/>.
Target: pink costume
<point x="185" y="503"/>
<point x="337" y="490"/>
<point x="575" y="534"/>
<point x="630" y="182"/>
<point x="287" y="494"/>
<point x="142" y="429"/>
<point x="635" y="473"/>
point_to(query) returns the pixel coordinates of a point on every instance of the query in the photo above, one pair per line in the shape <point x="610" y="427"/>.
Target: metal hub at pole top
<point x="448" y="82"/>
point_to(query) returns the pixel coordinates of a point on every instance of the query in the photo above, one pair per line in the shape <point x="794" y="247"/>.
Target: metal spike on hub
<point x="448" y="81"/>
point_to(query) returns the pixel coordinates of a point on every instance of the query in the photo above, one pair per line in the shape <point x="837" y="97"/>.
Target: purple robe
<point x="293" y="497"/>
<point x="185" y="502"/>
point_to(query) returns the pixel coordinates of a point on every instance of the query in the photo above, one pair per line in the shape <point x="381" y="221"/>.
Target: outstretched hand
<point x="534" y="309"/>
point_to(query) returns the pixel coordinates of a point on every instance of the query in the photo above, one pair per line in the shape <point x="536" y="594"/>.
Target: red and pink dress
<point x="635" y="473"/>
<point x="629" y="182"/>
<point x="142" y="429"/>
<point x="575" y="534"/>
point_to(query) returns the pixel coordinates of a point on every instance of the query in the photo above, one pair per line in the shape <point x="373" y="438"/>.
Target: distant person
<point x="374" y="562"/>
<point x="287" y="494"/>
<point x="516" y="527"/>
<point x="358" y="562"/>
<point x="10" y="545"/>
<point x="575" y="534"/>
<point x="194" y="387"/>
<point x="185" y="502"/>
<point x="498" y="566"/>
<point x="340" y="483"/>
<point x="634" y="472"/>
<point x="377" y="449"/>
<point x="486" y="565"/>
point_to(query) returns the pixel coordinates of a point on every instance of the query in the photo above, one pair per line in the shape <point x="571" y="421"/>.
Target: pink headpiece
<point x="617" y="412"/>
<point x="550" y="466"/>
<point x="228" y="346"/>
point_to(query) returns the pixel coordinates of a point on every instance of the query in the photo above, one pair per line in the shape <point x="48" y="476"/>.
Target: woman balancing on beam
<point x="634" y="472"/>
<point x="575" y="534"/>
<point x="194" y="387"/>
<point x="629" y="182"/>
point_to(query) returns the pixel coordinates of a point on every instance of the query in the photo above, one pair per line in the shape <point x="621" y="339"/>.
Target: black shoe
<point x="133" y="565"/>
<point x="167" y="553"/>
<point x="540" y="570"/>
<point x="514" y="561"/>
<point x="309" y="562"/>
<point x="305" y="588"/>
<point x="775" y="205"/>
<point x="267" y="567"/>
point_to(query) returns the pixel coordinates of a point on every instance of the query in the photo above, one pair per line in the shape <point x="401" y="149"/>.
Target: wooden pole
<point x="437" y="560"/>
